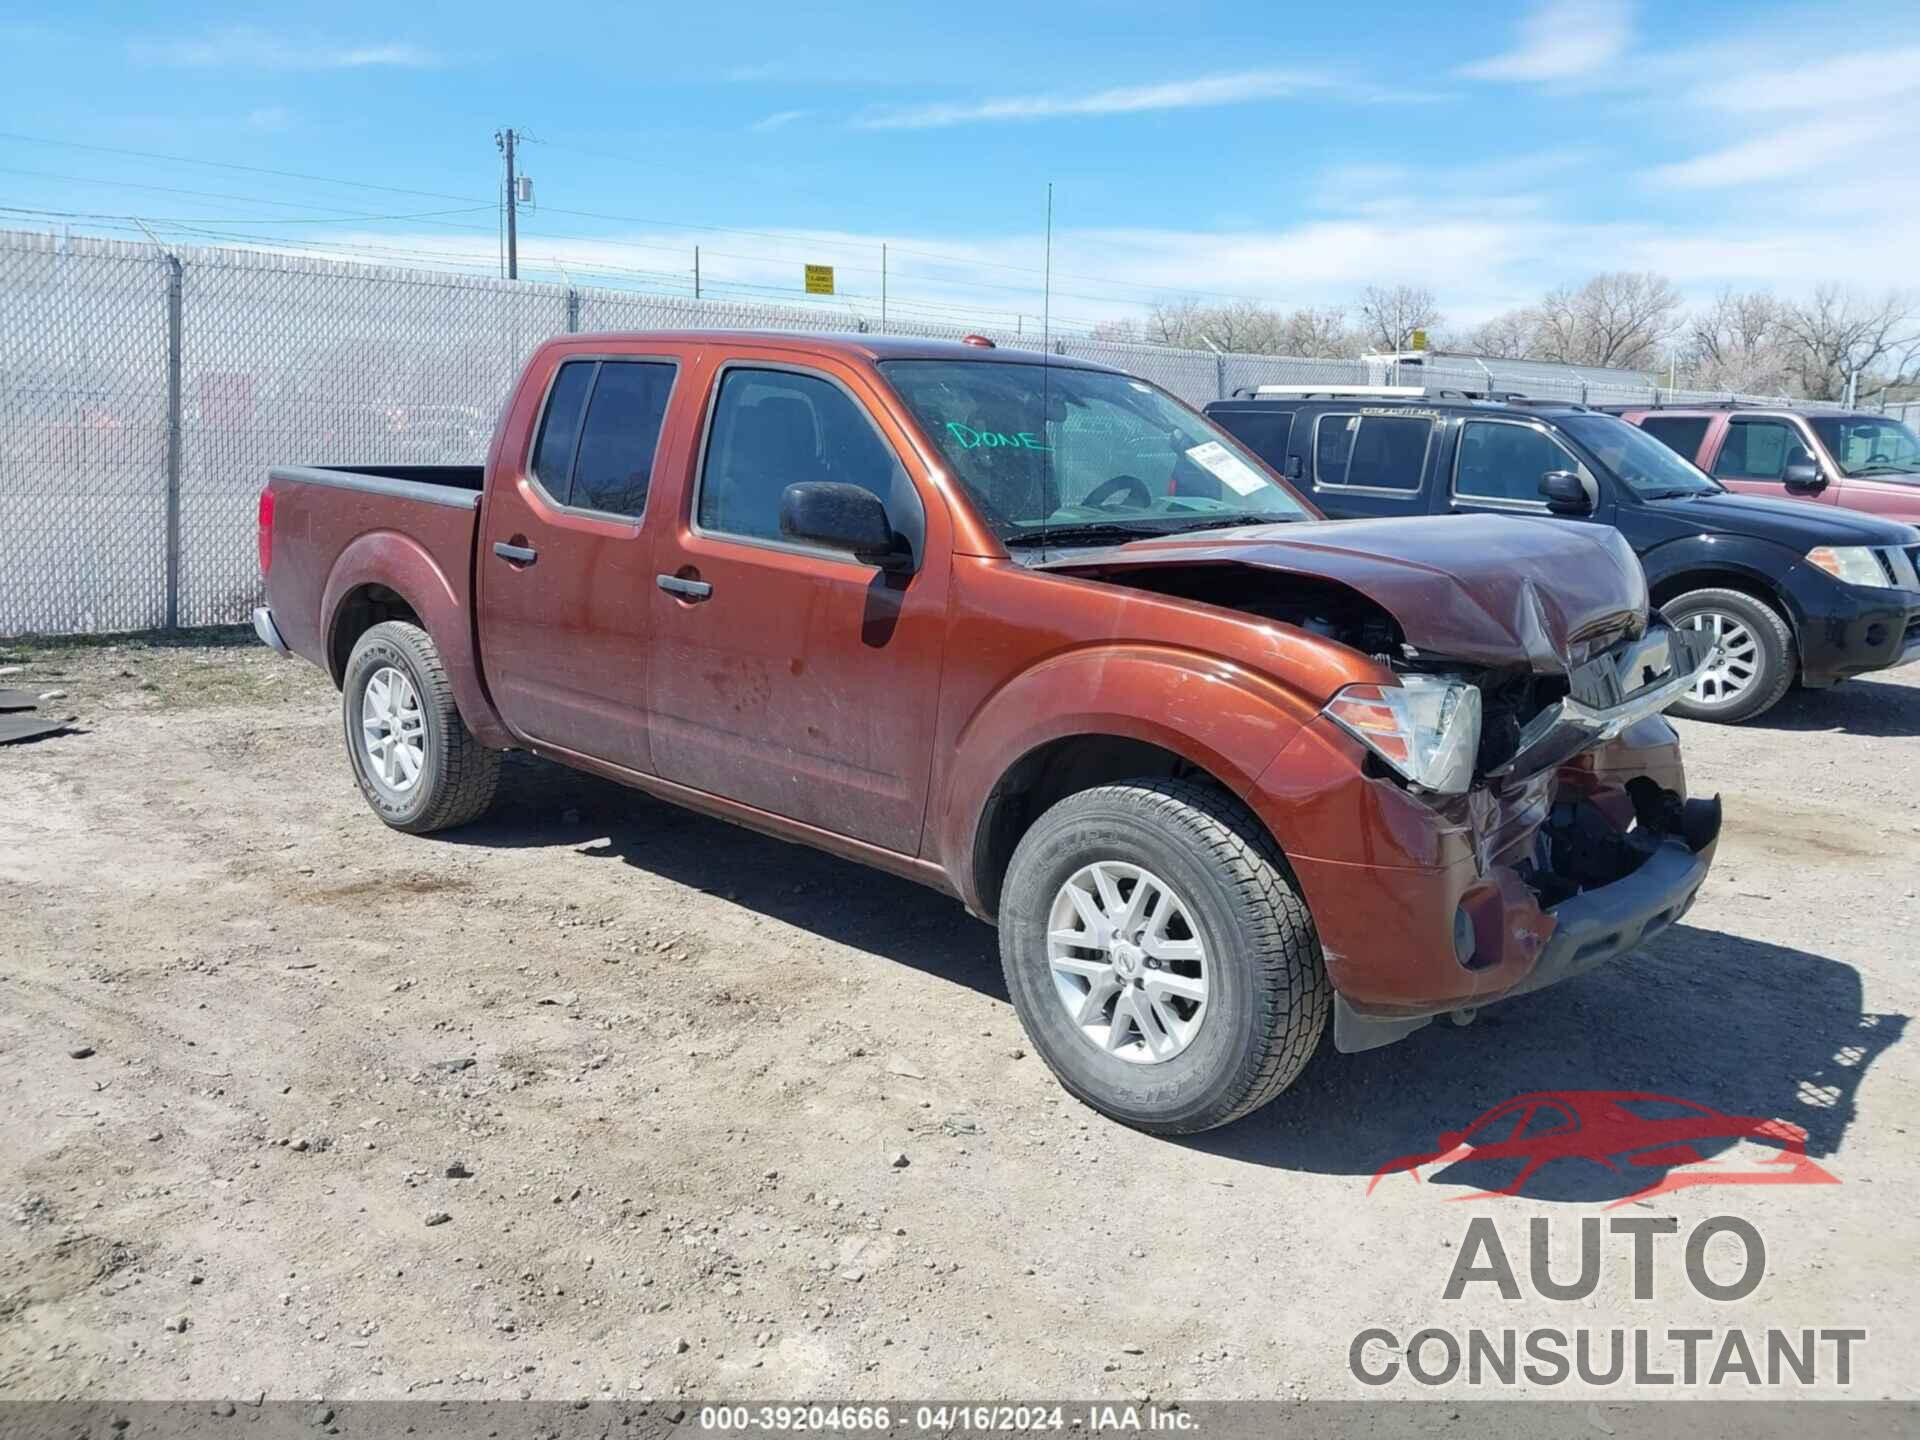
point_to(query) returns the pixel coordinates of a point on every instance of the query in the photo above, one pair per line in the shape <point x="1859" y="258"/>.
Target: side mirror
<point x="844" y="517"/>
<point x="1569" y="493"/>
<point x="1803" y="477"/>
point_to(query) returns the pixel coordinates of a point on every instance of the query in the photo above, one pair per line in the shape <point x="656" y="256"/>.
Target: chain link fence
<point x="145" y="392"/>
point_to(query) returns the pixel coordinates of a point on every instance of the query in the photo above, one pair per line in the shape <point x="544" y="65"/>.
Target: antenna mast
<point x="1046" y="295"/>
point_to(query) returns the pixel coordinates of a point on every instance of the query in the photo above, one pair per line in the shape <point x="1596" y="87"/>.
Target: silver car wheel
<point x="393" y="728"/>
<point x="1735" y="662"/>
<point x="1128" y="962"/>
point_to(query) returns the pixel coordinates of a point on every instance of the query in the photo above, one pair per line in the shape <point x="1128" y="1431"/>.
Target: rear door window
<point x="1680" y="434"/>
<point x="620" y="435"/>
<point x="560" y="428"/>
<point x="599" y="434"/>
<point x="1502" y="461"/>
<point x="1371" y="452"/>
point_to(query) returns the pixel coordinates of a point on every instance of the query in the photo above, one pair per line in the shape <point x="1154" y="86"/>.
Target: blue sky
<point x="1287" y="153"/>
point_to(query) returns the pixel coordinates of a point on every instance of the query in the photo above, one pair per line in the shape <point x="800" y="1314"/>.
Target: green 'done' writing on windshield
<point x="972" y="439"/>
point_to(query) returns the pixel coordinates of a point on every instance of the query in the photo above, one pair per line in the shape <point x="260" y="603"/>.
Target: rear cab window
<point x="599" y="434"/>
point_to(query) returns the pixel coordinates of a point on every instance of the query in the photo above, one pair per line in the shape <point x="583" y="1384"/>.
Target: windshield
<point x="1048" y="451"/>
<point x="1649" y="468"/>
<point x="1869" y="444"/>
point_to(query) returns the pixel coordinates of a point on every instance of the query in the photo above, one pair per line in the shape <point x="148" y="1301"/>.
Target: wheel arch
<point x="1048" y="774"/>
<point x="384" y="575"/>
<point x="1135" y="712"/>
<point x="1734" y="564"/>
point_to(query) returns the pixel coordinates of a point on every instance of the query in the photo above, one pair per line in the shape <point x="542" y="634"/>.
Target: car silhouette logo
<point x="1624" y="1131"/>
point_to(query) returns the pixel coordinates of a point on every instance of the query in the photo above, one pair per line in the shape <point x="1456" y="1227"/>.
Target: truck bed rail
<point x="456" y="486"/>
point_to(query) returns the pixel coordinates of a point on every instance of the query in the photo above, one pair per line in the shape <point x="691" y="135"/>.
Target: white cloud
<point x="269" y="119"/>
<point x="1832" y="111"/>
<point x="1778" y="155"/>
<point x="251" y="48"/>
<point x="779" y="120"/>
<point x="1236" y="88"/>
<point x="1562" y="40"/>
<point x="1866" y="77"/>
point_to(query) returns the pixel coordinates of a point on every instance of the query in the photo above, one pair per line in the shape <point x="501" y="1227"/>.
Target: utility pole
<point x="696" y="272"/>
<point x="504" y="140"/>
<point x="883" y="285"/>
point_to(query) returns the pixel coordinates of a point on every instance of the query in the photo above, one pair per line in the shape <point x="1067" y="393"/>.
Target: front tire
<point x="1159" y="955"/>
<point x="419" y="766"/>
<point x="1754" y="662"/>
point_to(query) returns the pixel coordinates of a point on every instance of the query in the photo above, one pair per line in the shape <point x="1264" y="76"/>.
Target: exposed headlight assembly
<point x="1426" y="728"/>
<point x="1855" y="564"/>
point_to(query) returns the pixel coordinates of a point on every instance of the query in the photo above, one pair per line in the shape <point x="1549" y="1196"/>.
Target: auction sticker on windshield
<point x="1228" y="468"/>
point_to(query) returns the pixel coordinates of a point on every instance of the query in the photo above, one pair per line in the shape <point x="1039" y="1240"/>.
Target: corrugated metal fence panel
<point x="83" y="435"/>
<point x="294" y="360"/>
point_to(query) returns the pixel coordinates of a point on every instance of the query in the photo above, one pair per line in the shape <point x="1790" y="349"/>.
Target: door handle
<point x="685" y="589"/>
<point x="515" y="554"/>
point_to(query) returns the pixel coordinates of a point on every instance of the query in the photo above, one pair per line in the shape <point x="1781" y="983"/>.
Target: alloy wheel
<point x="1735" y="662"/>
<point x="1128" y="964"/>
<point x="393" y="728"/>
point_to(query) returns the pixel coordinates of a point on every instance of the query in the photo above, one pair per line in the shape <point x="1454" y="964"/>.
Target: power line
<point x="229" y="165"/>
<point x="1146" y="287"/>
<point x="204" y="220"/>
<point x="334" y="219"/>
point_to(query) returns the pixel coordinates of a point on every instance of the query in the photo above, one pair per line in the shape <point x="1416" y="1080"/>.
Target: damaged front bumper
<point x="1579" y="846"/>
<point x="1588" y="928"/>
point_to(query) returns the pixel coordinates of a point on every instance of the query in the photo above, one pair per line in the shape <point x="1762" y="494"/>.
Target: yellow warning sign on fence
<point x="819" y="279"/>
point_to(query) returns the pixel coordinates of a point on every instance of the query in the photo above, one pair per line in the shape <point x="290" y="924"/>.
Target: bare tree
<point x="1390" y="314"/>
<point x="1318" y="334"/>
<point x="1510" y="336"/>
<point x="1740" y="343"/>
<point x="1839" y="334"/>
<point x="1622" y="319"/>
<point x="1124" y="329"/>
<point x="1174" y="322"/>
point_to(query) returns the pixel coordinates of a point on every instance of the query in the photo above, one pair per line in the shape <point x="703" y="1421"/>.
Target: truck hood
<point x="1793" y="523"/>
<point x="1492" y="590"/>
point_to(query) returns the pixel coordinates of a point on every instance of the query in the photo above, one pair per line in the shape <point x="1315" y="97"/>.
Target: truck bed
<point x="342" y="533"/>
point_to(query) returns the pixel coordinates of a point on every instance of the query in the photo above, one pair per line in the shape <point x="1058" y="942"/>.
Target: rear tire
<point x="414" y="758"/>
<point x="1756" y="669"/>
<point x="1239" y="935"/>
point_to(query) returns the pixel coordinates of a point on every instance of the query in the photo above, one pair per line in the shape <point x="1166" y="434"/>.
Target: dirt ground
<point x="660" y="1076"/>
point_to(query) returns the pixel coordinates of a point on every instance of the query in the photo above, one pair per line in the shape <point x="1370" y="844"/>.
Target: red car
<point x="1622" y="1130"/>
<point x="1853" y="460"/>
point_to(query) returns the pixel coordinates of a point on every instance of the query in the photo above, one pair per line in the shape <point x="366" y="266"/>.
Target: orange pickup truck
<point x="1036" y="634"/>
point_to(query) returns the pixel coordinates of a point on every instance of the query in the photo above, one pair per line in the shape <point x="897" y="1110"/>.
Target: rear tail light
<point x="266" y="532"/>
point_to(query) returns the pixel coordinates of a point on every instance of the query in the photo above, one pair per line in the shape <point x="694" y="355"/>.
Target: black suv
<point x="1787" y="590"/>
